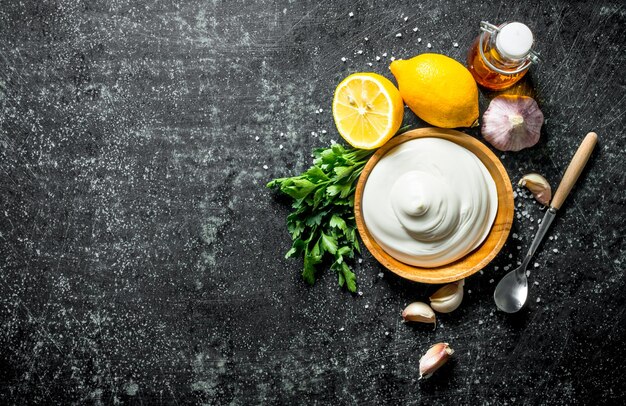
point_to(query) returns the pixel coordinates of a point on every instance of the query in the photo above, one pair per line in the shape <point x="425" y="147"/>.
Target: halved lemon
<point x="367" y="109"/>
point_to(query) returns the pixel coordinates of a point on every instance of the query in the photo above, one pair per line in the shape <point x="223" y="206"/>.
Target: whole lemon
<point x="438" y="89"/>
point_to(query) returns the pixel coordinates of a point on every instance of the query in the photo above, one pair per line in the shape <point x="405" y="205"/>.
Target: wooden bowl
<point x="475" y="260"/>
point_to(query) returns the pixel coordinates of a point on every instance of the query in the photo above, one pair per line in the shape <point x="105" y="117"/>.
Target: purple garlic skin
<point x="512" y="123"/>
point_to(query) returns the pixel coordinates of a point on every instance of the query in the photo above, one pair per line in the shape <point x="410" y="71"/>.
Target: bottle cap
<point x="514" y="41"/>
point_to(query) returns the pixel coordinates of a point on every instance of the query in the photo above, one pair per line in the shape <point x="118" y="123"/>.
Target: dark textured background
<point x="141" y="257"/>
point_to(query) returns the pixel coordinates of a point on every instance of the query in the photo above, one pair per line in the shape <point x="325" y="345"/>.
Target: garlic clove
<point x="448" y="298"/>
<point x="512" y="123"/>
<point x="419" y="312"/>
<point x="538" y="186"/>
<point x="435" y="357"/>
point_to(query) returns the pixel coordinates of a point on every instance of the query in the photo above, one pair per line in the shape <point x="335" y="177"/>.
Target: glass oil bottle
<point x="501" y="55"/>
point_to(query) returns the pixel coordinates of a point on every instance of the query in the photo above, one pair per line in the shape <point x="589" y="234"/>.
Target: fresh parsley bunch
<point x="322" y="224"/>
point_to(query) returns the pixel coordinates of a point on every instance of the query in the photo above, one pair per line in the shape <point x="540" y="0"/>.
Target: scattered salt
<point x="343" y="59"/>
<point x="369" y="64"/>
<point x="536" y="283"/>
<point x="280" y="146"/>
<point x="527" y="273"/>
<point x="351" y="14"/>
<point x="429" y="45"/>
<point x="265" y="167"/>
<point x="536" y="264"/>
<point x="419" y="40"/>
<point x="386" y="333"/>
<point x="399" y="35"/>
<point x="377" y="58"/>
<point x="538" y="299"/>
<point x="495" y="268"/>
<point x="515" y="235"/>
<point x="323" y="131"/>
<point x="406" y="18"/>
<point x="455" y="44"/>
<point x="256" y="138"/>
<point x="367" y="39"/>
<point x="360" y="260"/>
<point x="360" y="52"/>
<point x="341" y="329"/>
<point x="555" y="250"/>
<point x="367" y="306"/>
<point x="360" y="293"/>
<point x="480" y="322"/>
<point x="501" y="156"/>
<point x="385" y="54"/>
<point x="393" y="58"/>
<point x="491" y="280"/>
<point x="469" y="291"/>
<point x="380" y="274"/>
<point x="415" y="29"/>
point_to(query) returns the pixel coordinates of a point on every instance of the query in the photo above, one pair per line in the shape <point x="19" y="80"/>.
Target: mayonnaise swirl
<point x="429" y="202"/>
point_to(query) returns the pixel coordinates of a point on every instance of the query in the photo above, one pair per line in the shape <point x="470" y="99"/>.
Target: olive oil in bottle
<point x="501" y="55"/>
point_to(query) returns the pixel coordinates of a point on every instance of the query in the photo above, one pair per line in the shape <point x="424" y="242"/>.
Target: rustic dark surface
<point x="141" y="257"/>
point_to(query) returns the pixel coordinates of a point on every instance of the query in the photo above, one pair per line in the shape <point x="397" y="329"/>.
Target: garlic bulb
<point x="434" y="358"/>
<point x="420" y="312"/>
<point x="538" y="186"/>
<point x="448" y="297"/>
<point x="512" y="123"/>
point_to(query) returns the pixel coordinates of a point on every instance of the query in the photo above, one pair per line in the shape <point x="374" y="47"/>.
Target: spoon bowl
<point x="512" y="291"/>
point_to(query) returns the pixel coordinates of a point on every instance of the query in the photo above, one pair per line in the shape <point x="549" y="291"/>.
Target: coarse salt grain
<point x="385" y="54"/>
<point x="280" y="146"/>
<point x="491" y="280"/>
<point x="367" y="306"/>
<point x="265" y="167"/>
<point x="399" y="35"/>
<point x="455" y="44"/>
<point x="415" y="29"/>
<point x="429" y="45"/>
<point x="369" y="64"/>
<point x="323" y="131"/>
<point x="343" y="59"/>
<point x="406" y="18"/>
<point x="360" y="260"/>
<point x="555" y="250"/>
<point x="256" y="138"/>
<point x="419" y="40"/>
<point x="351" y="14"/>
<point x="360" y="52"/>
<point x="393" y="58"/>
<point x="360" y="293"/>
<point x="366" y="39"/>
<point x="377" y="58"/>
<point x="538" y="299"/>
<point x="536" y="283"/>
<point x="380" y="274"/>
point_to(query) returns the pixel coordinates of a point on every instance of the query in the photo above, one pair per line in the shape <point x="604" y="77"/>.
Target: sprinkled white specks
<point x="393" y="58"/>
<point x="480" y="322"/>
<point x="341" y="329"/>
<point x="377" y="58"/>
<point x="406" y="18"/>
<point x="429" y="45"/>
<point x="491" y="281"/>
<point x="256" y="138"/>
<point x="366" y="39"/>
<point x="351" y="14"/>
<point x="266" y="167"/>
<point x="280" y="146"/>
<point x="323" y="131"/>
<point x="455" y="44"/>
<point x="555" y="250"/>
<point x="414" y="29"/>
<point x="527" y="274"/>
<point x="360" y="52"/>
<point x="360" y="260"/>
<point x="385" y="54"/>
<point x="536" y="265"/>
<point x="536" y="283"/>
<point x="380" y="274"/>
<point x="538" y="299"/>
<point x="419" y="40"/>
<point x="469" y="291"/>
<point x="360" y="293"/>
<point x="367" y="306"/>
<point x="343" y="59"/>
<point x="399" y="35"/>
<point x="369" y="64"/>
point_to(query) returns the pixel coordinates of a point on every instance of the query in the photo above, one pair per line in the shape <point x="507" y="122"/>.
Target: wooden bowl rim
<point x="476" y="259"/>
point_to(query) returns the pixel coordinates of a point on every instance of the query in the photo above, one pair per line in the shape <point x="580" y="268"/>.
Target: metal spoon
<point x="512" y="291"/>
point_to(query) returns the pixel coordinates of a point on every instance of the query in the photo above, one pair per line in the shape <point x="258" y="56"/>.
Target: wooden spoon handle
<point x="574" y="169"/>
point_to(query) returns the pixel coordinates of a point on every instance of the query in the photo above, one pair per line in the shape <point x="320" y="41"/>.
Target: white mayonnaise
<point x="429" y="201"/>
